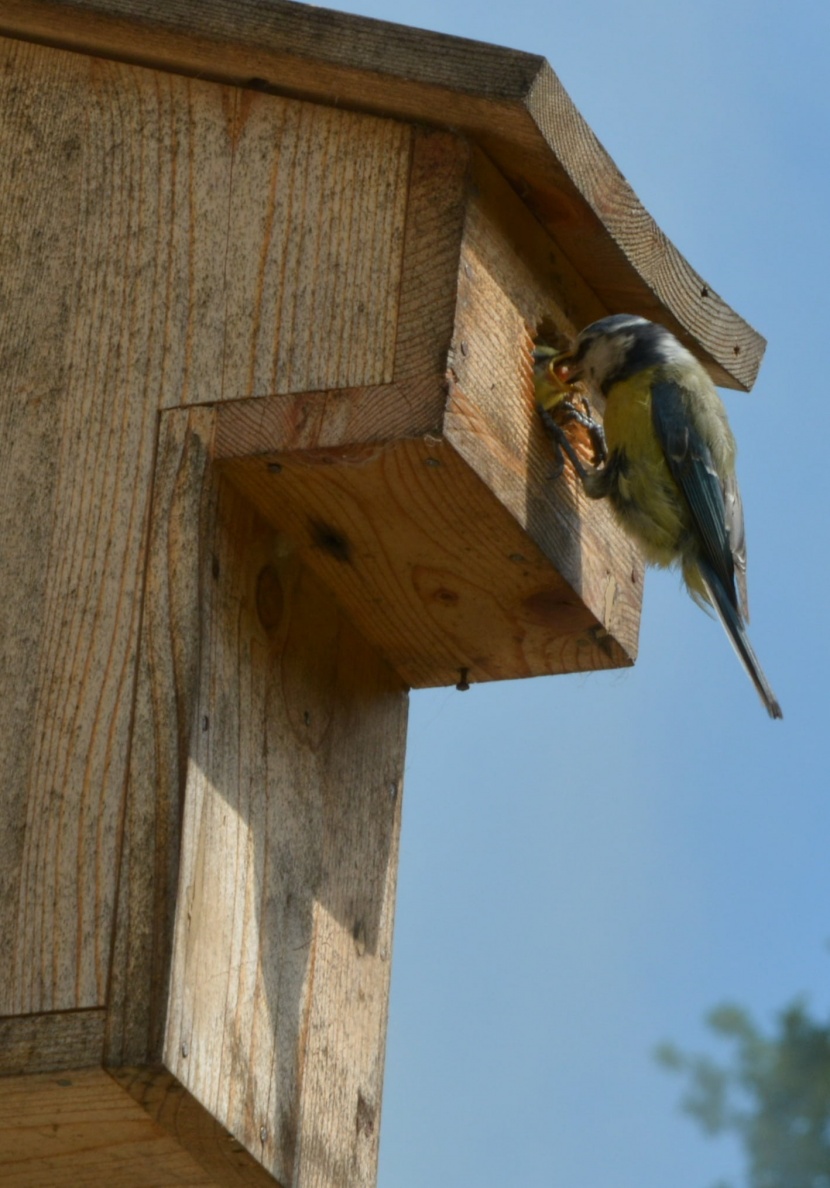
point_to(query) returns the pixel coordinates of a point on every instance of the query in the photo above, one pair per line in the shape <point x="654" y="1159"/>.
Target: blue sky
<point x="590" y="863"/>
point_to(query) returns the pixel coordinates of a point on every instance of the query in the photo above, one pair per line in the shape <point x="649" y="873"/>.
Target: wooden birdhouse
<point x="271" y="278"/>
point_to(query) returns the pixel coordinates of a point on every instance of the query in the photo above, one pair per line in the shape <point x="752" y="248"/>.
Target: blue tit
<point x="670" y="470"/>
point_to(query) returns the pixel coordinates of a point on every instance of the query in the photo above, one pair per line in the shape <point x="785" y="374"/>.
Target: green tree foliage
<point x="774" y="1093"/>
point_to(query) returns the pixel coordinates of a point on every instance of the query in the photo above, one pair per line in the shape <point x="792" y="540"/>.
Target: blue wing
<point x="692" y="468"/>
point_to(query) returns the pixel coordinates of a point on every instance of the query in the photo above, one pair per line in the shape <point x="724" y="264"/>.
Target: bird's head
<point x="615" y="348"/>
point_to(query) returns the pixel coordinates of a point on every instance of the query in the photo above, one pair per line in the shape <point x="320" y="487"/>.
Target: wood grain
<point x="339" y="417"/>
<point x="178" y="1113"/>
<point x="509" y="285"/>
<point x="81" y="1129"/>
<point x="283" y="936"/>
<point x="37" y="1043"/>
<point x="511" y="103"/>
<point x="315" y="239"/>
<point x="287" y="738"/>
<point x="91" y="347"/>
<point x="164" y="721"/>
<point x="536" y="276"/>
<point x="127" y="283"/>
<point x="439" y="185"/>
<point x="432" y="568"/>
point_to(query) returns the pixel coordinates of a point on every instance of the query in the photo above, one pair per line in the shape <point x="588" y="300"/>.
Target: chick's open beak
<point x="565" y="369"/>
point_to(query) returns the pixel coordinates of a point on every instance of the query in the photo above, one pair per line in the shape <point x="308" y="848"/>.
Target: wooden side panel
<point x="112" y="174"/>
<point x="81" y="1128"/>
<point x="315" y="240"/>
<point x="438" y="187"/>
<point x="178" y="1113"/>
<point x="283" y="935"/>
<point x="511" y="281"/>
<point x="289" y="740"/>
<point x="164" y="241"/>
<point x="183" y="510"/>
<point x="37" y="1043"/>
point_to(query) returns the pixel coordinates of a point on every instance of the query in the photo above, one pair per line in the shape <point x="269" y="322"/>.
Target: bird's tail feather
<point x="734" y="627"/>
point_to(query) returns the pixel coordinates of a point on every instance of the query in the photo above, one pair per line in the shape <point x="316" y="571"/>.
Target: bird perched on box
<point x="670" y="468"/>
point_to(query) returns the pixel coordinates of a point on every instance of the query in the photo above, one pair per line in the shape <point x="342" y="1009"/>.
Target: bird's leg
<point x="561" y="445"/>
<point x="596" y="480"/>
<point x="587" y="419"/>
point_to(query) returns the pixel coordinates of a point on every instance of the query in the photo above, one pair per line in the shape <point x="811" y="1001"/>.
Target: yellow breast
<point x="628" y="424"/>
<point x="646" y="498"/>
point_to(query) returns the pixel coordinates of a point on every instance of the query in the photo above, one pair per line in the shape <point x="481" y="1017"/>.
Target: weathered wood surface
<point x="314" y="247"/>
<point x="78" y="1129"/>
<point x="128" y="261"/>
<point x="163" y="728"/>
<point x="282" y="944"/>
<point x="439" y="183"/>
<point x="509" y="102"/>
<point x="93" y="254"/>
<point x="178" y="1113"/>
<point x="510" y="280"/>
<point x="37" y="1043"/>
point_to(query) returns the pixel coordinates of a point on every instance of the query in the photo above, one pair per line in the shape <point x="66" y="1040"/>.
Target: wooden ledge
<point x="511" y="103"/>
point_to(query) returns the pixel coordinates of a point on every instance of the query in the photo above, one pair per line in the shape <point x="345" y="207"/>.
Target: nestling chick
<point x="555" y="397"/>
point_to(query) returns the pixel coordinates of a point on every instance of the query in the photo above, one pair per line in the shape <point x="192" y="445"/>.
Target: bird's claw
<point x="562" y="445"/>
<point x="587" y="419"/>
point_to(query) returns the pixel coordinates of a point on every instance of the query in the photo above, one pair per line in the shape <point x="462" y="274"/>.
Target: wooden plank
<point x="37" y="1043"/>
<point x="503" y="239"/>
<point x="510" y="102"/>
<point x="80" y="1130"/>
<point x="506" y="293"/>
<point x="126" y="289"/>
<point x="288" y="739"/>
<point x="283" y="936"/>
<point x="178" y="1113"/>
<point x="439" y="184"/>
<point x="314" y="247"/>
<point x="36" y="258"/>
<point x="431" y="567"/>
<point x="166" y="702"/>
<point x="113" y="176"/>
<point x="339" y="417"/>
